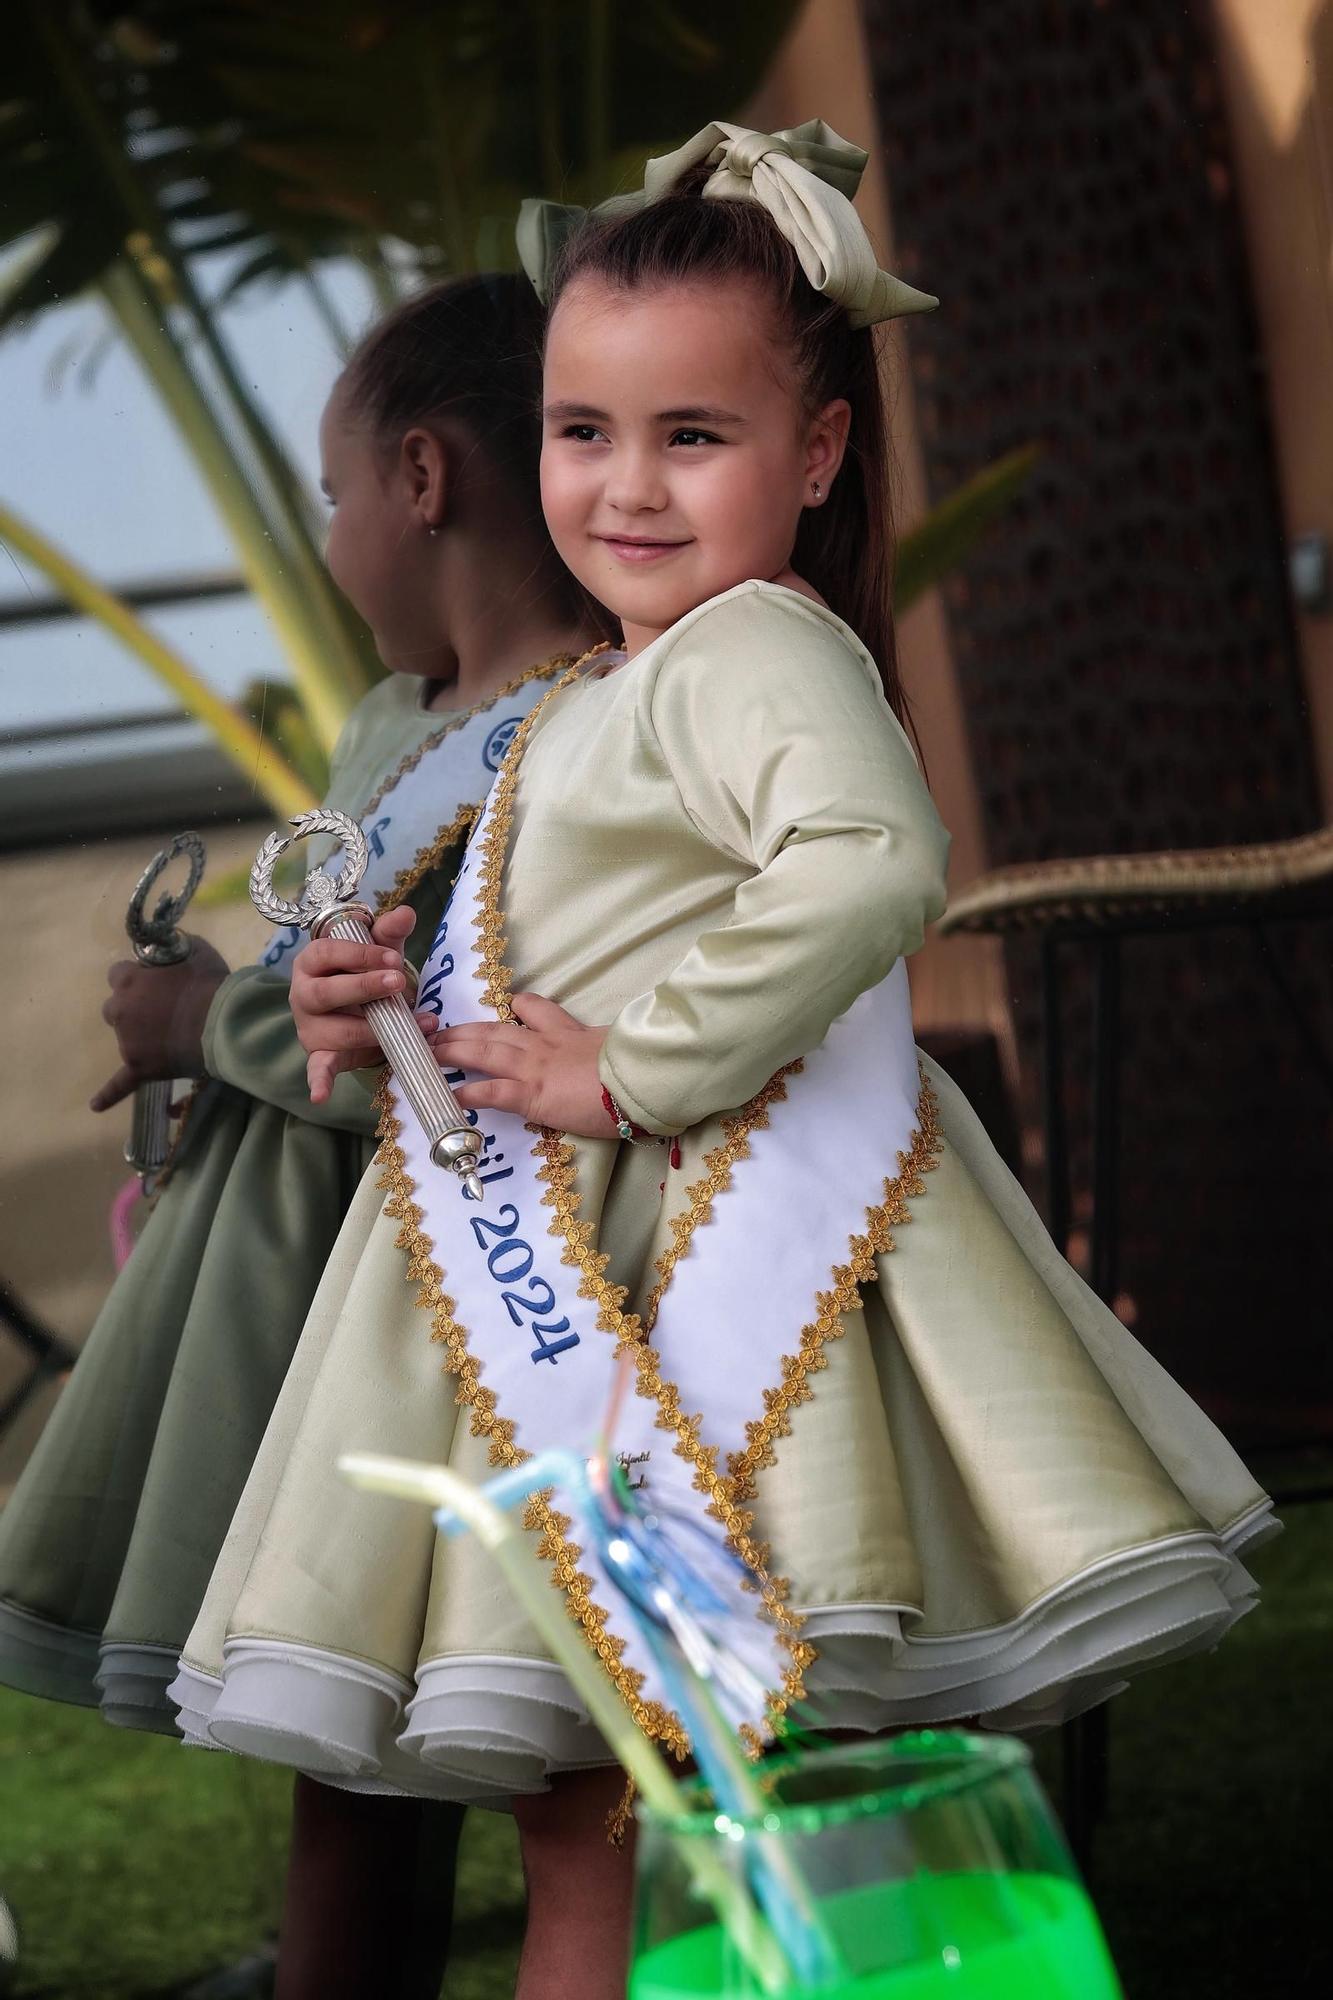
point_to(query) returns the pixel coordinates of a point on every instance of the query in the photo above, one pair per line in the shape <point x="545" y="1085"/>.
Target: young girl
<point x="962" y="1487"/>
<point x="429" y="447"/>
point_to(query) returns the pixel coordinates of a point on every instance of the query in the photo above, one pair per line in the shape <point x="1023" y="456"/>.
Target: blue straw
<point x="673" y="1603"/>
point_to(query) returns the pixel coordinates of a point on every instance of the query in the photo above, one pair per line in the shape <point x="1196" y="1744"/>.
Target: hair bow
<point x="804" y="177"/>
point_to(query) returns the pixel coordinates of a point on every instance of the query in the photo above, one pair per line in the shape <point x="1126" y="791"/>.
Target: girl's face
<point x="677" y="454"/>
<point x="374" y="541"/>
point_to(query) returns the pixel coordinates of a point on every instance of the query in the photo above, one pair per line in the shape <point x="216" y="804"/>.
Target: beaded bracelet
<point x="633" y="1134"/>
<point x="628" y="1130"/>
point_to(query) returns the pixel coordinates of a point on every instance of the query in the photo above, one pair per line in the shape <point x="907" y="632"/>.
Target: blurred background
<point x="1113" y="446"/>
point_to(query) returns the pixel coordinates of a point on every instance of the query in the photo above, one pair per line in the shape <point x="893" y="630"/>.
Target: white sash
<point x="449" y="770"/>
<point x="785" y="1242"/>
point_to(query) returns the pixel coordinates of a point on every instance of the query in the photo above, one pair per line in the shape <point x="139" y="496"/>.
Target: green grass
<point x="133" y="1866"/>
<point x="129" y="1863"/>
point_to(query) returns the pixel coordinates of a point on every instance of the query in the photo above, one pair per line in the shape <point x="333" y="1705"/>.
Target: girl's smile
<point x="638" y="549"/>
<point x="677" y="452"/>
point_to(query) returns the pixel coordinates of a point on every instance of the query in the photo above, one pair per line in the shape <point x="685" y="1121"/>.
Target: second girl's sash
<point x="795" y="1205"/>
<point x="446" y="776"/>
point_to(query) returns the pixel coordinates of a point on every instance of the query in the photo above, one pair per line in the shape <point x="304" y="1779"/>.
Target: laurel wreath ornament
<point x="322" y="890"/>
<point x="157" y="940"/>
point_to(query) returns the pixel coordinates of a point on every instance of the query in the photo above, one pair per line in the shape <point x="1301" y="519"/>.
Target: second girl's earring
<point x="816" y="489"/>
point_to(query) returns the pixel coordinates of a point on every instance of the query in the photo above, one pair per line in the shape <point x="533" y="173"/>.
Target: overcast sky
<point x="99" y="470"/>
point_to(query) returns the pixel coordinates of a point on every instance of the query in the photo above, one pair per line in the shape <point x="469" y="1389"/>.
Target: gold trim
<point x="497" y="980"/>
<point x="631" y="1336"/>
<point x="921" y="1157"/>
<point x="718" y="1164"/>
<point x="553" y="1545"/>
<point x="457" y="832"/>
<point x="189" y="1103"/>
<point x="621" y="1816"/>
<point x="726" y="1492"/>
<point x="457" y="720"/>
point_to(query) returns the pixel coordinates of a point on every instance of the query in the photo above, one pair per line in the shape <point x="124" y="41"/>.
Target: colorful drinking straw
<point x="674" y="1581"/>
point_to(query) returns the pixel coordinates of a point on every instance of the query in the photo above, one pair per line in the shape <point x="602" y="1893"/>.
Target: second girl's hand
<point x="544" y="1069"/>
<point x="158" y="1013"/>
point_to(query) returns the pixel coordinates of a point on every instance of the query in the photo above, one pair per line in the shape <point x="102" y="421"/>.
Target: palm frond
<point x="254" y="754"/>
<point x="951" y="530"/>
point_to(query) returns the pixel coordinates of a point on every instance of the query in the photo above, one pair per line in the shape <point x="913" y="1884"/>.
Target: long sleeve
<point x="250" y="1042"/>
<point x="788" y="758"/>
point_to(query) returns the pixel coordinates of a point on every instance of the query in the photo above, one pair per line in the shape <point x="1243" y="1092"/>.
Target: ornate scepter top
<point x="329" y="904"/>
<point x="323" y="896"/>
<point x="158" y="940"/>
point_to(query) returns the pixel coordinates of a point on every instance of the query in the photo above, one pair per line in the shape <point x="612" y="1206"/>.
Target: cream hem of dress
<point x="479" y="1728"/>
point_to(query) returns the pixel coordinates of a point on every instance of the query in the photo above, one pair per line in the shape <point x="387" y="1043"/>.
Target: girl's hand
<point x="544" y="1070"/>
<point x="331" y="982"/>
<point x="158" y="1013"/>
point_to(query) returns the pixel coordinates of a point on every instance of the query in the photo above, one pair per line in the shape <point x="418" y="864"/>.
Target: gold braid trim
<point x="621" y="1816"/>
<point x="718" y="1164"/>
<point x="726" y="1492"/>
<point x="456" y="720"/>
<point x="630" y="1333"/>
<point x="455" y="834"/>
<point x="554" y="1546"/>
<point x="489" y="922"/>
<point x="183" y="1117"/>
<point x="920" y="1158"/>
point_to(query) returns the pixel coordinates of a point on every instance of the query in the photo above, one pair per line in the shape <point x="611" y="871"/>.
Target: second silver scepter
<point x="157" y="940"/>
<point x="327" y="907"/>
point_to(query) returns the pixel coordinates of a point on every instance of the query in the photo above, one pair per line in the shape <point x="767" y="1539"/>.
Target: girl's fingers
<point x="502" y="1051"/>
<point x="114" y="1089"/>
<point x="336" y="992"/>
<point x="320" y="1072"/>
<point x="325" y="955"/>
<point x="350" y="1034"/>
<point x="534" y="1012"/>
<point x="326" y="1065"/>
<point x="394" y="926"/>
<point x="495" y="1094"/>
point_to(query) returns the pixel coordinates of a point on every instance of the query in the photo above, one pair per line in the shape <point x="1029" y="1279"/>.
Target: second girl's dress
<point x="986" y="1497"/>
<point x="109" y="1538"/>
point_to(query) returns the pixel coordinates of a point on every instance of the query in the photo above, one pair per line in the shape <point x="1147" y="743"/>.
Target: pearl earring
<point x="815" y="488"/>
<point x="432" y="531"/>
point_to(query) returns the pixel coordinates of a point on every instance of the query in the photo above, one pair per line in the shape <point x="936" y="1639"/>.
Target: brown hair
<point x="469" y="349"/>
<point x="844" y="547"/>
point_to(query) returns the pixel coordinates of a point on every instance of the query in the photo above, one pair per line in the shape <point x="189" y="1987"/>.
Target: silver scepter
<point x="327" y="907"/>
<point x="157" y="940"/>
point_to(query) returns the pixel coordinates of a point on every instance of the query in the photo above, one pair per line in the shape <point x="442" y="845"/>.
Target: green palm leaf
<point x="137" y="136"/>
<point x="951" y="530"/>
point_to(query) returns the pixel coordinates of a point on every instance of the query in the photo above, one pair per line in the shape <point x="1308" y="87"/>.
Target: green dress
<point x="984" y="1495"/>
<point x="107" y="1542"/>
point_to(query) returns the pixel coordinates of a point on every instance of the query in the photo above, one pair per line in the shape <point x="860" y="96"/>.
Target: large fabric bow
<point x="804" y="177"/>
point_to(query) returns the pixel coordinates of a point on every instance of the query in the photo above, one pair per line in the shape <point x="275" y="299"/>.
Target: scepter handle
<point x="149" y="1142"/>
<point x="454" y="1143"/>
